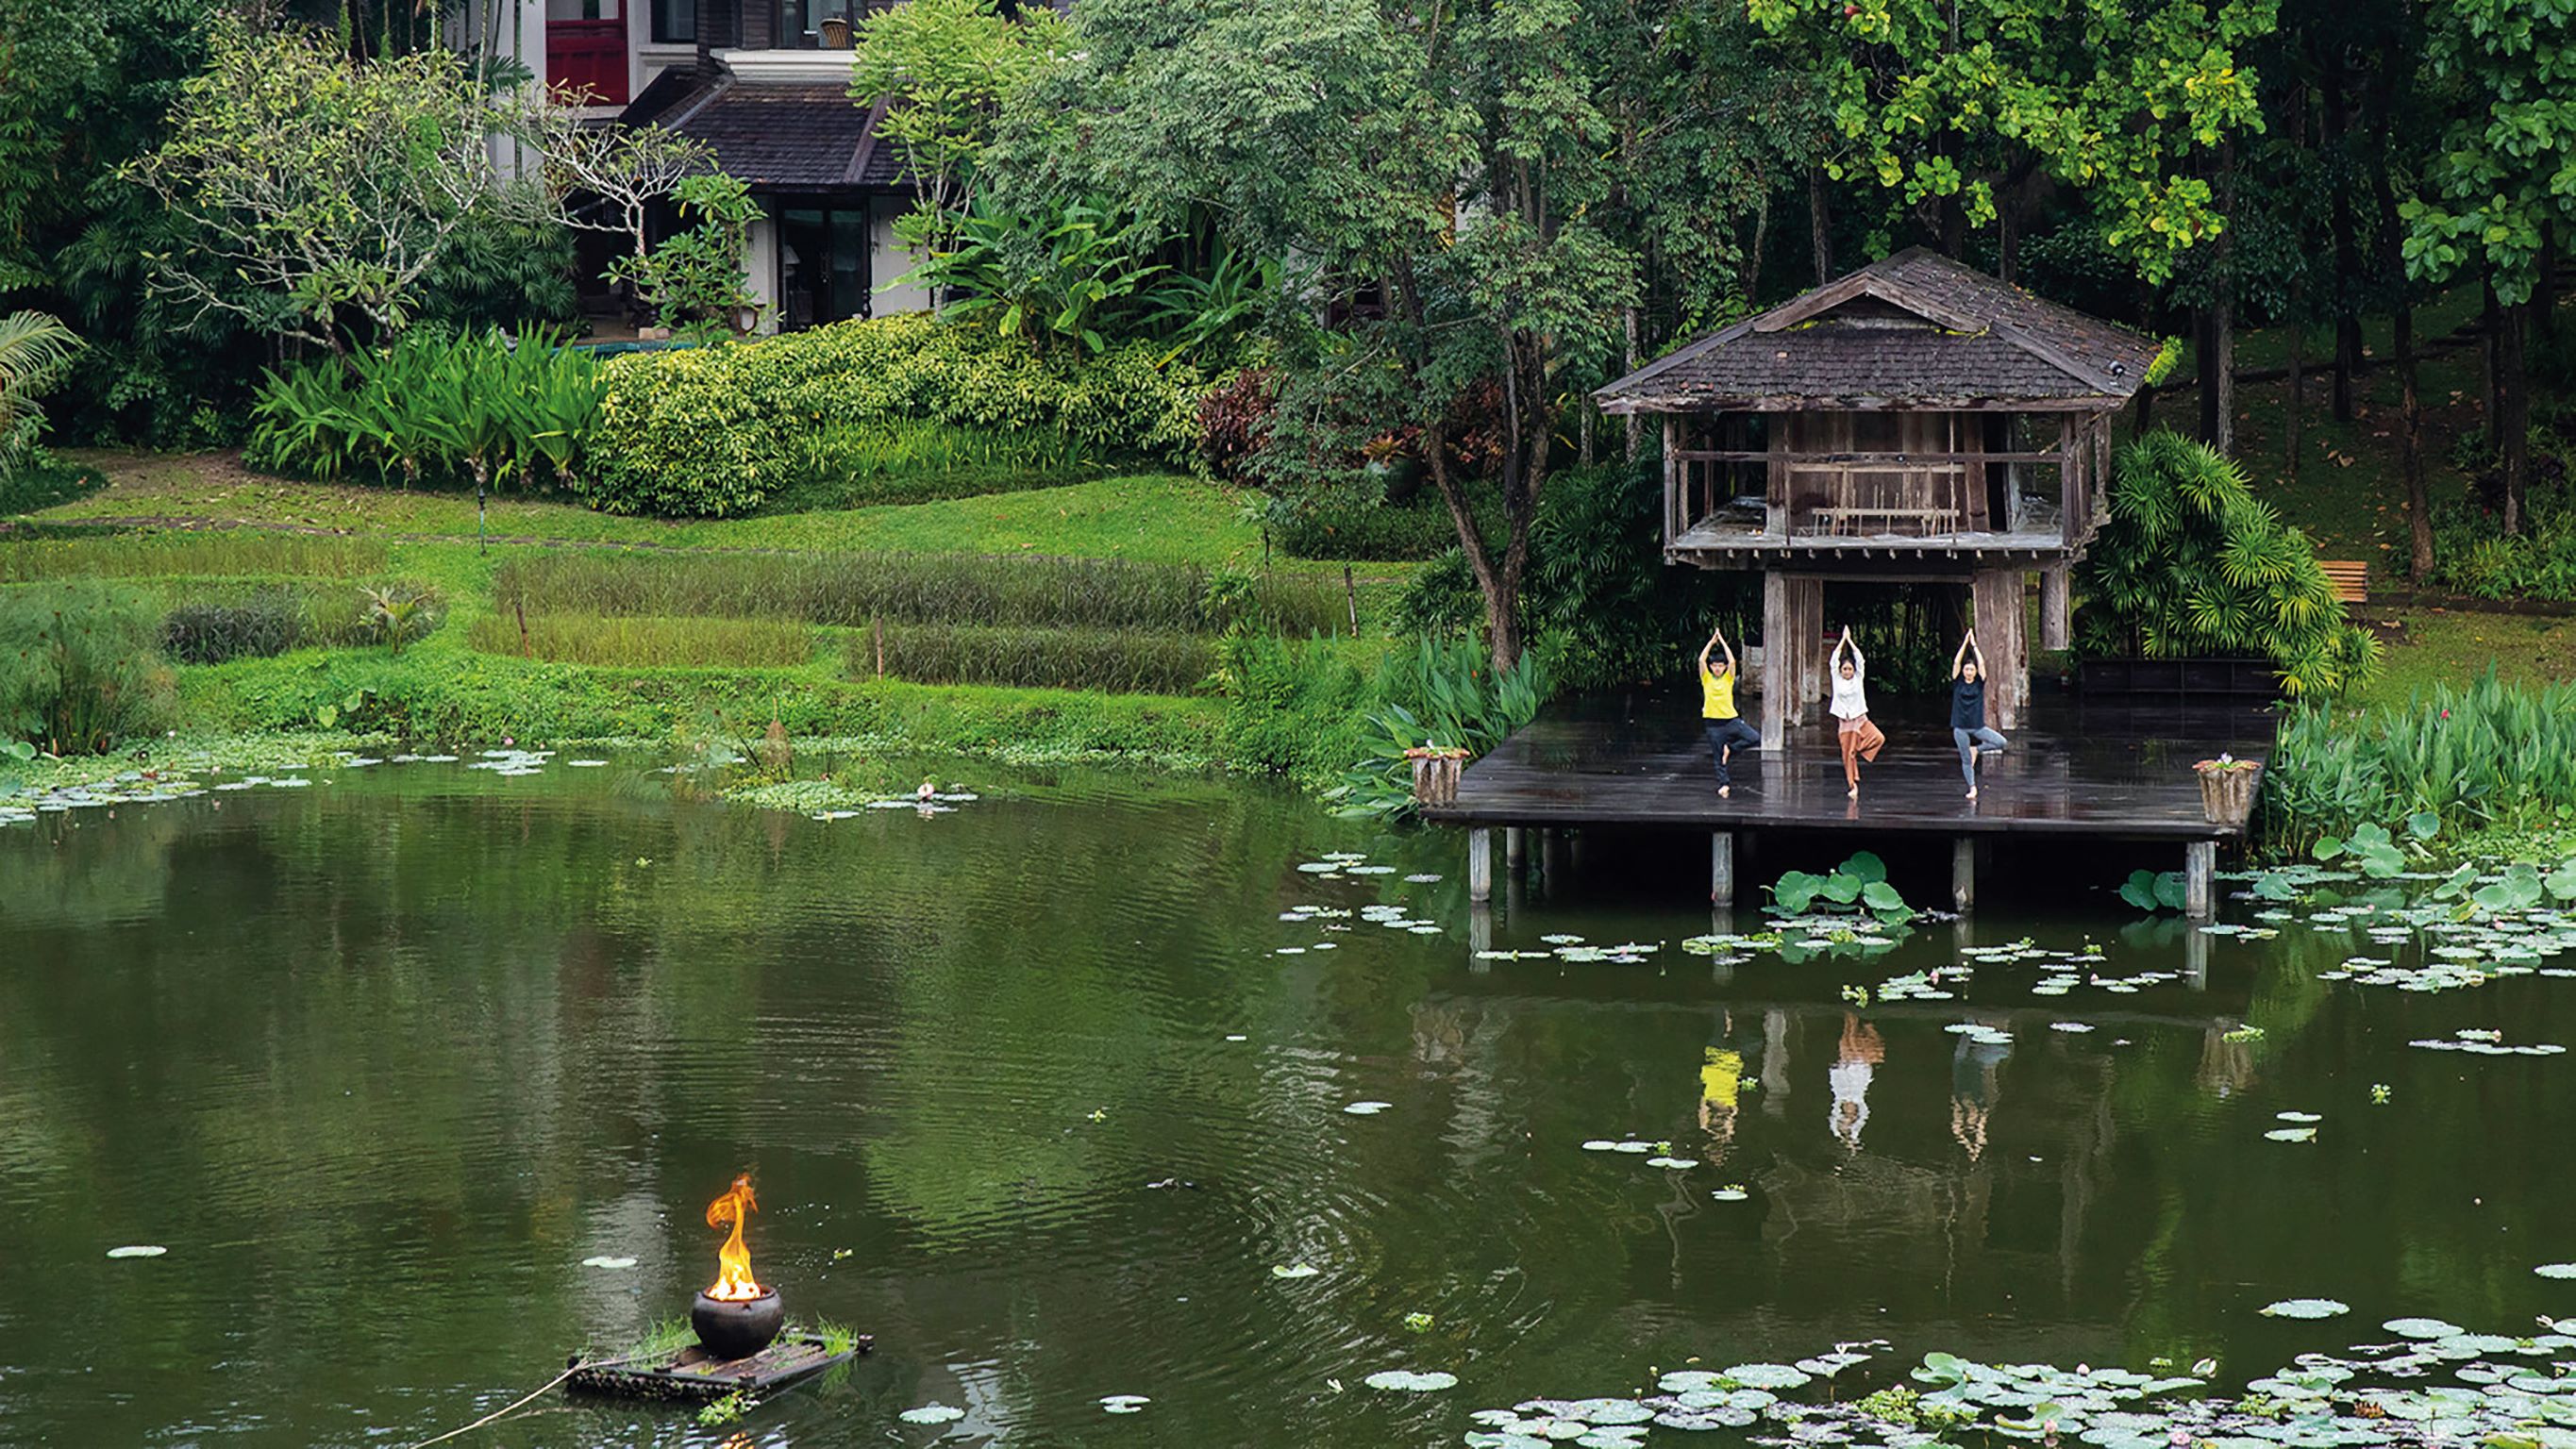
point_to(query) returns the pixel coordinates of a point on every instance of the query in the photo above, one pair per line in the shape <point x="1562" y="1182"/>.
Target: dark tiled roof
<point x="774" y="138"/>
<point x="1917" y="329"/>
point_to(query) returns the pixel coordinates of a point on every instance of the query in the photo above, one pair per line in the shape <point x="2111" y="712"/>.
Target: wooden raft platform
<point x="2105" y="771"/>
<point x="691" y="1375"/>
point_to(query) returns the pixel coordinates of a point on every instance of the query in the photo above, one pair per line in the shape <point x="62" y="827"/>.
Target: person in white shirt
<point x="1861" y="740"/>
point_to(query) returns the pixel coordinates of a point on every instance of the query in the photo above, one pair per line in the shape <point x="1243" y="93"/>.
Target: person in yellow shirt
<point x="1727" y="731"/>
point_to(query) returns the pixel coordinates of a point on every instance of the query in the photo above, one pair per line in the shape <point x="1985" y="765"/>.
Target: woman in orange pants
<point x="1861" y="740"/>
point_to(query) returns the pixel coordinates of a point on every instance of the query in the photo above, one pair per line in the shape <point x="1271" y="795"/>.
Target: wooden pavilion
<point x="1915" y="421"/>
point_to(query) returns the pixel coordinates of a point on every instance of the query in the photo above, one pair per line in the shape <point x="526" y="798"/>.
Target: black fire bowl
<point x="737" y="1327"/>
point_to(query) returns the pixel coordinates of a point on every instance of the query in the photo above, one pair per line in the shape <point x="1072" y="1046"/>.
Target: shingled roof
<point x="1916" y="330"/>
<point x="773" y="138"/>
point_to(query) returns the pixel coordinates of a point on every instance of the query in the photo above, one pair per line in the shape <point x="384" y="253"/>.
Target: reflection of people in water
<point x="1855" y="1059"/>
<point x="1975" y="1081"/>
<point x="1721" y="1079"/>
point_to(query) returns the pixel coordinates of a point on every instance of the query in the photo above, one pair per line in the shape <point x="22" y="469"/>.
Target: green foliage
<point x="505" y="269"/>
<point x="190" y="555"/>
<point x="915" y="460"/>
<point x="2498" y="178"/>
<point x="211" y="631"/>
<point x="1352" y="524"/>
<point x="2488" y="755"/>
<point x="2149" y="890"/>
<point x="1117" y="661"/>
<point x="694" y="432"/>
<point x="2370" y="846"/>
<point x="398" y="613"/>
<point x="315" y="185"/>
<point x="434" y="408"/>
<point x="35" y="351"/>
<point x="694" y="279"/>
<point x="1858" y="885"/>
<point x="946" y="69"/>
<point x="854" y="590"/>
<point x="2118" y="99"/>
<point x="646" y="642"/>
<point x="79" y="670"/>
<point x="1297" y="709"/>
<point x="1447" y="696"/>
<point x="2192" y="563"/>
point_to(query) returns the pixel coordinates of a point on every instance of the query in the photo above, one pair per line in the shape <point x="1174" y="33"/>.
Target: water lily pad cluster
<point x="2487" y="1044"/>
<point x="1656" y="1154"/>
<point x="1567" y="948"/>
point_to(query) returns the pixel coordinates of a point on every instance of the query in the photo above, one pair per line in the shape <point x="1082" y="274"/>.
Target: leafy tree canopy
<point x="1942" y="100"/>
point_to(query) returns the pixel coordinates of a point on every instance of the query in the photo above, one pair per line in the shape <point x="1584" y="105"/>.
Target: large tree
<point x="2502" y="183"/>
<point x="1474" y="184"/>
<point x="322" y="191"/>
<point x="1956" y="104"/>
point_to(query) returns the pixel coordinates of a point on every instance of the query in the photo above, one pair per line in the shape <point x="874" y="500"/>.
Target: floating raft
<point x="692" y="1375"/>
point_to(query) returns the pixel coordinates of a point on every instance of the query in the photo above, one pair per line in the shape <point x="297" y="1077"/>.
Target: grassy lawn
<point x="1150" y="518"/>
<point x="2445" y="647"/>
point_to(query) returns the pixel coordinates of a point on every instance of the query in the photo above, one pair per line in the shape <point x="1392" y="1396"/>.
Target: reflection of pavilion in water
<point x="1893" y="1167"/>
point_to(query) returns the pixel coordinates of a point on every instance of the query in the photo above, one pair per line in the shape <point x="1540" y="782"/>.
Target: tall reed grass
<point x="645" y="641"/>
<point x="2490" y="754"/>
<point x="191" y="555"/>
<point x="1113" y="661"/>
<point x="856" y="589"/>
<point x="917" y="460"/>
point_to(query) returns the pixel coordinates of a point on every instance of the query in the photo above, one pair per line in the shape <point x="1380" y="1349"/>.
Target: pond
<point x="1061" y="1092"/>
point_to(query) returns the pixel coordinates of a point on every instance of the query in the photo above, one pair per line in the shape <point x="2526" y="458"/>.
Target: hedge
<point x="714" y="431"/>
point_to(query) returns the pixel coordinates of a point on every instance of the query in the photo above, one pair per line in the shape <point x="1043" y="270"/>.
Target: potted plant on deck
<point x="2227" y="788"/>
<point x="1435" y="773"/>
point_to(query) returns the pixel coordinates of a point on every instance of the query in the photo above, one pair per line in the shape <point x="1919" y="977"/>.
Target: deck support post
<point x="1963" y="873"/>
<point x="1515" y="852"/>
<point x="2004" y="642"/>
<point x="1793" y="653"/>
<point x="1480" y="864"/>
<point x="2199" y="883"/>
<point x="1721" y="868"/>
<point x="2056" y="607"/>
<point x="1480" y="934"/>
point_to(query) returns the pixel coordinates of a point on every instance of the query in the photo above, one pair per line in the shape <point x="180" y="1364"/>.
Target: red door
<point x="587" y="55"/>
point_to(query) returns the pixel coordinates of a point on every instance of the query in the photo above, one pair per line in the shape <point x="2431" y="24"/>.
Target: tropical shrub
<point x="1347" y="523"/>
<point x="1234" y="423"/>
<point x="433" y="408"/>
<point x="1294" y="708"/>
<point x="693" y="279"/>
<point x="79" y="668"/>
<point x="2191" y="564"/>
<point x="2490" y="754"/>
<point x="35" y="351"/>
<point x="1448" y="696"/>
<point x="715" y="431"/>
<point x="857" y="590"/>
<point x="45" y="481"/>
<point x="1118" y="661"/>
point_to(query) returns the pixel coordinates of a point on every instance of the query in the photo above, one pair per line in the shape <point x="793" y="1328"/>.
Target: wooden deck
<point x="2073" y="771"/>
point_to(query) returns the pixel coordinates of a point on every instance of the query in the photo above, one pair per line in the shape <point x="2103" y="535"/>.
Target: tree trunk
<point x="2347" y="243"/>
<point x="2516" y="420"/>
<point x="1820" y="230"/>
<point x="2419" y="519"/>
<point x="1634" y="424"/>
<point x="2490" y="339"/>
<point x="2295" y="395"/>
<point x="2218" y="325"/>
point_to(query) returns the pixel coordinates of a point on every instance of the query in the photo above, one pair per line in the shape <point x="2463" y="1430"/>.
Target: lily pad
<point x="138" y="1250"/>
<point x="2306" y="1308"/>
<point x="1406" y="1381"/>
<point x="1366" y="1109"/>
<point x="2292" y="1134"/>
<point x="1123" y="1403"/>
<point x="2556" y="1270"/>
<point x="1294" y="1270"/>
<point x="2421" y="1328"/>
<point x="604" y="1261"/>
<point x="1766" y="1376"/>
<point x="932" y="1414"/>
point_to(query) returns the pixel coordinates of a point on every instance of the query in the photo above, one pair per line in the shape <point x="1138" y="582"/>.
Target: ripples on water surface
<point x="381" y="1063"/>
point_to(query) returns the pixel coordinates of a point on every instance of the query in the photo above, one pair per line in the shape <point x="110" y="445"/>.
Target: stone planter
<point x="2227" y="789"/>
<point x="1435" y="775"/>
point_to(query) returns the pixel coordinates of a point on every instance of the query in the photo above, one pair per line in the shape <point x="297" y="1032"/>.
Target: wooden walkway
<point x="2105" y="772"/>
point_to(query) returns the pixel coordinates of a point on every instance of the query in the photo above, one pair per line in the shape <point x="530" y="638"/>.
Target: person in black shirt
<point x="1968" y="727"/>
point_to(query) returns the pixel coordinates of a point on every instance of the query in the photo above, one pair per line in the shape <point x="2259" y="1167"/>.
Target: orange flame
<point x="733" y="1274"/>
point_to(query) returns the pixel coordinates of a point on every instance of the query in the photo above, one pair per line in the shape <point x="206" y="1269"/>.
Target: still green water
<point x="1041" y="1090"/>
